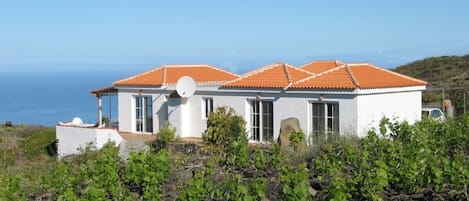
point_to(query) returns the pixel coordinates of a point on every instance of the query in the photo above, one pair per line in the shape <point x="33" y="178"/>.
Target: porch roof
<point x="106" y="91"/>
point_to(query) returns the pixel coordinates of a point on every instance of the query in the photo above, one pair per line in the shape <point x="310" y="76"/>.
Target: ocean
<point x="46" y="98"/>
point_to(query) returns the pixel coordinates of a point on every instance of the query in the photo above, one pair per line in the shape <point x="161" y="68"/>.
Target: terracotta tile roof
<point x="369" y="76"/>
<point x="278" y="75"/>
<point x="169" y="74"/>
<point x="335" y="78"/>
<point x="321" y="66"/>
<point x="352" y="76"/>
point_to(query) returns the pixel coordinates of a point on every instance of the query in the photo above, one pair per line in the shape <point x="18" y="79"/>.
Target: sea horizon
<point x="47" y="98"/>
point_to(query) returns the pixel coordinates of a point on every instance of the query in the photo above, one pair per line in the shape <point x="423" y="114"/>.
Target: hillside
<point x="446" y="75"/>
<point x="440" y="72"/>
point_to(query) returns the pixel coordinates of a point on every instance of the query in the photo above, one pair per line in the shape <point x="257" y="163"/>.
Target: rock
<point x="312" y="192"/>
<point x="127" y="146"/>
<point x="287" y="126"/>
<point x="265" y="199"/>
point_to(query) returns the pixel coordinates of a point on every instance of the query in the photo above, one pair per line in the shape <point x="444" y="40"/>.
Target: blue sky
<point x="136" y="35"/>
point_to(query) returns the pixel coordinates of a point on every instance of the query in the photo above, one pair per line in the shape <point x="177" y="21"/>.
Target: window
<point x="435" y="114"/>
<point x="143" y="114"/>
<point x="208" y="107"/>
<point x="262" y="120"/>
<point x="325" y="121"/>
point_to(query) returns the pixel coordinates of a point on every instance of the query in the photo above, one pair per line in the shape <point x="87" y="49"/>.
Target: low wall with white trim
<point x="70" y="139"/>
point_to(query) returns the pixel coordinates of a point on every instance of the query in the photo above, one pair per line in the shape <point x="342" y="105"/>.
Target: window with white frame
<point x="207" y="107"/>
<point x="262" y="120"/>
<point x="143" y="114"/>
<point x="325" y="121"/>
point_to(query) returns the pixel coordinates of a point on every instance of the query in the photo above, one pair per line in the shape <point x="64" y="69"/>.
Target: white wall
<point x="175" y="115"/>
<point x="299" y="106"/>
<point x="359" y="110"/>
<point x="400" y="105"/>
<point x="72" y="139"/>
<point x="189" y="120"/>
<point x="295" y="105"/>
<point x="126" y="108"/>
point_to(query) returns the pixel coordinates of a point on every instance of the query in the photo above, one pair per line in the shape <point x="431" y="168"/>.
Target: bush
<point x="294" y="183"/>
<point x="8" y="124"/>
<point x="146" y="172"/>
<point x="259" y="160"/>
<point x="226" y="135"/>
<point x="296" y="139"/>
<point x="200" y="187"/>
<point x="167" y="133"/>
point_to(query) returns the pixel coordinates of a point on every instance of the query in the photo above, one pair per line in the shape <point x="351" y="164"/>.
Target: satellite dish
<point x="185" y="86"/>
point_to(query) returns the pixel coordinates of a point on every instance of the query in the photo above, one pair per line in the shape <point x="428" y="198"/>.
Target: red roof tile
<point x="321" y="66"/>
<point x="369" y="76"/>
<point x="278" y="75"/>
<point x="315" y="75"/>
<point x="170" y="74"/>
<point x="336" y="78"/>
<point x="352" y="76"/>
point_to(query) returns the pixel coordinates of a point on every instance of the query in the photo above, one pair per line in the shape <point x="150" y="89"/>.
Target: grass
<point x="37" y="143"/>
<point x="20" y="143"/>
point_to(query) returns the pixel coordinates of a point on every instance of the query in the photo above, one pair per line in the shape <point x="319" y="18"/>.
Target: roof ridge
<point x="285" y="68"/>
<point x="290" y="83"/>
<point x="198" y="65"/>
<point x="303" y="70"/>
<point x="165" y="68"/>
<point x="184" y="65"/>
<point x="137" y="75"/>
<point x="319" y="74"/>
<point x="201" y="82"/>
<point x="352" y="76"/>
<point x="338" y="63"/>
<point x="222" y="70"/>
<point x="392" y="72"/>
<point x="251" y="73"/>
<point x="317" y="61"/>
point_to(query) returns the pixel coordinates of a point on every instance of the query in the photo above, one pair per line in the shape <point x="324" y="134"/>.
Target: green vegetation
<point x="38" y="143"/>
<point x="401" y="162"/>
<point x="425" y="161"/>
<point x="296" y="139"/>
<point x="167" y="133"/>
<point x="445" y="72"/>
<point x="226" y="136"/>
<point x="19" y="143"/>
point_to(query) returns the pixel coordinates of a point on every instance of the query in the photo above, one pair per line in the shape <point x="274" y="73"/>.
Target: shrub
<point x="258" y="188"/>
<point x="146" y="172"/>
<point x="167" y="133"/>
<point x="294" y="183"/>
<point x="8" y="124"/>
<point x="10" y="188"/>
<point x="200" y="187"/>
<point x="277" y="157"/>
<point x="259" y="160"/>
<point x="226" y="134"/>
<point x="234" y="189"/>
<point x="296" y="139"/>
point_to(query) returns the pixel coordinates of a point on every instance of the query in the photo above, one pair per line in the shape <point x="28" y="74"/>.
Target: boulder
<point x="288" y="126"/>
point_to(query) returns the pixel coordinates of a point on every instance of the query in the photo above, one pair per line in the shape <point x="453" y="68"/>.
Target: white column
<point x="100" y="111"/>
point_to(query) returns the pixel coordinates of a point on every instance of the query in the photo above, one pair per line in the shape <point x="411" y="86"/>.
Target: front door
<point x="143" y="114"/>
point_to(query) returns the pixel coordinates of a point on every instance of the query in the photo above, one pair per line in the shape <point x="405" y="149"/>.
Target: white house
<point x="325" y="96"/>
